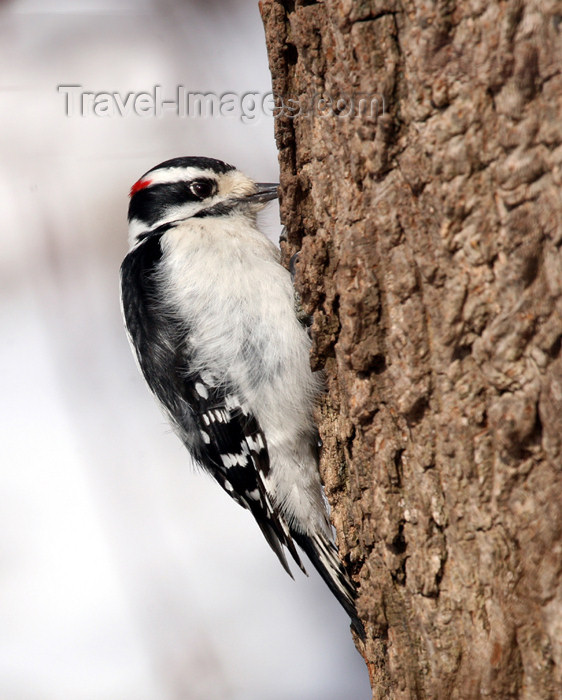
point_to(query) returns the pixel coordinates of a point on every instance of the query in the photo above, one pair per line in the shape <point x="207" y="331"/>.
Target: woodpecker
<point x="212" y="318"/>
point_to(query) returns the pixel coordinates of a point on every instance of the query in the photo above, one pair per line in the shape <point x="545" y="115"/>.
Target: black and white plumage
<point x="212" y="318"/>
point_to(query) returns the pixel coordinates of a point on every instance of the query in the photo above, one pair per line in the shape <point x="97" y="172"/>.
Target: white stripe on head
<point x="165" y="176"/>
<point x="231" y="182"/>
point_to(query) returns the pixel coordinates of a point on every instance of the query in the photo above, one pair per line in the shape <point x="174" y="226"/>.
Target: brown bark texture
<point x="430" y="237"/>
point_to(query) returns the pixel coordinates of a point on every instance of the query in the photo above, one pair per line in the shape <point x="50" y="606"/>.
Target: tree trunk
<point x="430" y="236"/>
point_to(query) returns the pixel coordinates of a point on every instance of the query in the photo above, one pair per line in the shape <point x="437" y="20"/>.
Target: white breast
<point x="238" y="305"/>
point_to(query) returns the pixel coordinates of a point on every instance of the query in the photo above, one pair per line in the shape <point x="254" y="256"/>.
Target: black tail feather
<point x="324" y="556"/>
<point x="276" y="538"/>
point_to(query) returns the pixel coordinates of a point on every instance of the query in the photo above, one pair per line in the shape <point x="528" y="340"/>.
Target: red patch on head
<point x="139" y="185"/>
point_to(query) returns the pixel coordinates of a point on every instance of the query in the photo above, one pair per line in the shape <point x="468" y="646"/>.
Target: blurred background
<point x="124" y="573"/>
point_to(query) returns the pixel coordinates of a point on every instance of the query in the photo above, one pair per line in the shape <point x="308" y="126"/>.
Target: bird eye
<point x="202" y="188"/>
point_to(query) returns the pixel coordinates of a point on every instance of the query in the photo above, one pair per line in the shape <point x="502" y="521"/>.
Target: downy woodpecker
<point x="212" y="317"/>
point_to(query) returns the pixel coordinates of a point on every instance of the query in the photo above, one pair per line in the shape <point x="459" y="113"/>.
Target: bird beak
<point x="265" y="192"/>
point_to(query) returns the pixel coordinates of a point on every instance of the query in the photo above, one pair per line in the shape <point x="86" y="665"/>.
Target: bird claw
<point x="293" y="264"/>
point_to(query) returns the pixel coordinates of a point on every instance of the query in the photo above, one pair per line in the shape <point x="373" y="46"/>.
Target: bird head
<point x="192" y="187"/>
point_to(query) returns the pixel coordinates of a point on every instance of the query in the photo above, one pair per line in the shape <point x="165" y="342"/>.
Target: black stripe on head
<point x="217" y="166"/>
<point x="151" y="203"/>
<point x="220" y="209"/>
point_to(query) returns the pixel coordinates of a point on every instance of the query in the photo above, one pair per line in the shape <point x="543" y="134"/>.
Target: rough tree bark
<point x="430" y="238"/>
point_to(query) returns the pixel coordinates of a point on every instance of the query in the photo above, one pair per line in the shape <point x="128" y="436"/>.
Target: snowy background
<point x="124" y="573"/>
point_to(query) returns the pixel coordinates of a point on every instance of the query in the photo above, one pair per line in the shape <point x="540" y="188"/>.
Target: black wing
<point x="214" y="424"/>
<point x="234" y="450"/>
